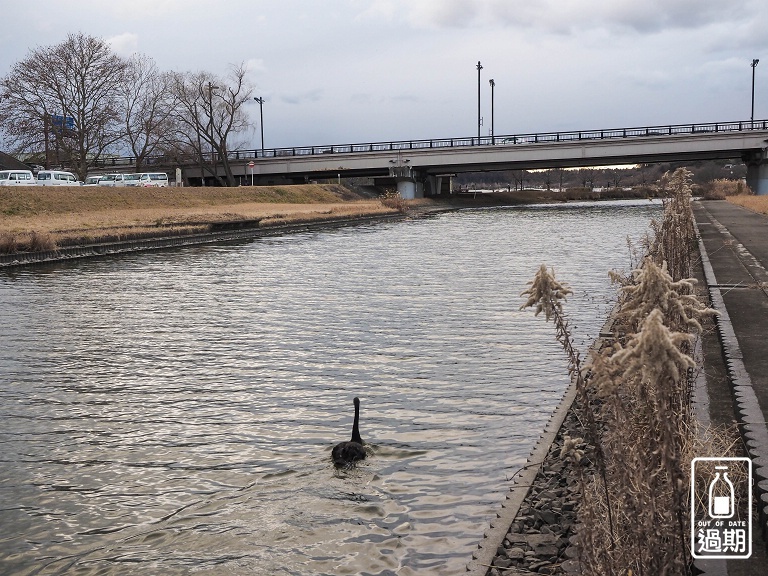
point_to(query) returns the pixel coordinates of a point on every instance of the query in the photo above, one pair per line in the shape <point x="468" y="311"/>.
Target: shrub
<point x="41" y="242"/>
<point x="720" y="189"/>
<point x="392" y="199"/>
<point x="34" y="242"/>
<point x="8" y="243"/>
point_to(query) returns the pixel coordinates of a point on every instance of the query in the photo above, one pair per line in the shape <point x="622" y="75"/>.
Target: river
<point x="174" y="412"/>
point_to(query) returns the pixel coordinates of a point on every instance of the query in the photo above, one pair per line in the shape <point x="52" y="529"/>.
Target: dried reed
<point x="675" y="239"/>
<point x="634" y="405"/>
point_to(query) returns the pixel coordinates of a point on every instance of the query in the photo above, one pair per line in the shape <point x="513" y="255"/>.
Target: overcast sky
<point x="346" y="71"/>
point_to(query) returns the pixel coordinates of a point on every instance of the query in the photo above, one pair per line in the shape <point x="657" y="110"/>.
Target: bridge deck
<point x="650" y="144"/>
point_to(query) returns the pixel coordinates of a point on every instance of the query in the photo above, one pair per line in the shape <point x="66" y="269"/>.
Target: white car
<point x="113" y="179"/>
<point x="92" y="180"/>
<point x="17" y="178"/>
<point x="147" y="179"/>
<point x="57" y="178"/>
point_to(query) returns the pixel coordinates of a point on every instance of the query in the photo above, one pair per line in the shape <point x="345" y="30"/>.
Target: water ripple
<point x="175" y="411"/>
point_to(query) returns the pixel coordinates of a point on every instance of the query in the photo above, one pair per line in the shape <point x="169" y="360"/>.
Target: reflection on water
<point x="174" y="411"/>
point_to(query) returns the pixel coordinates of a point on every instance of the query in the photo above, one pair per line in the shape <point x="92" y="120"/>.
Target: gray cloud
<point x="648" y="16"/>
<point x="297" y="98"/>
<point x="372" y="70"/>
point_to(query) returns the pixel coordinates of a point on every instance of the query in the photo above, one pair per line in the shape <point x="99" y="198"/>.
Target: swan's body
<point x="345" y="453"/>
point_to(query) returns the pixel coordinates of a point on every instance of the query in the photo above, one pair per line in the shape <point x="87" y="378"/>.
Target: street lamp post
<point x="493" y="134"/>
<point x="260" y="100"/>
<point x="46" y="137"/>
<point x="211" y="88"/>
<point x="754" y="65"/>
<point x="479" y="120"/>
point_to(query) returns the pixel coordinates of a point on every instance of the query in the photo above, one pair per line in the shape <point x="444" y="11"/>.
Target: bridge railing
<point x="404" y="145"/>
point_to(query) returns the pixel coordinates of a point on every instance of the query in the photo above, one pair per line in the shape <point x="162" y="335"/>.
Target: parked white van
<point x="112" y="180"/>
<point x="17" y="178"/>
<point x="56" y="178"/>
<point x="147" y="179"/>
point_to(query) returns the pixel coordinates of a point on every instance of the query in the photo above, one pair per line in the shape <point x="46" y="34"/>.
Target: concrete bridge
<point x="424" y="167"/>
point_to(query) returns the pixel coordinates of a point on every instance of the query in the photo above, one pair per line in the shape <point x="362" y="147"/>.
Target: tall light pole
<point x="479" y="67"/>
<point x="754" y="65"/>
<point x="493" y="134"/>
<point x="47" y="137"/>
<point x="211" y="88"/>
<point x="260" y="100"/>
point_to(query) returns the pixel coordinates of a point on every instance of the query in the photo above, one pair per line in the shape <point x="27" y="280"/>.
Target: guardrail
<point x="401" y="145"/>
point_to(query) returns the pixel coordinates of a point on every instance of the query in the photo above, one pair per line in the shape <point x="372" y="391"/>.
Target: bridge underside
<point x="304" y="175"/>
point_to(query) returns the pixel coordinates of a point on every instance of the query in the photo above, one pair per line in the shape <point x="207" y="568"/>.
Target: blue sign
<point x="63" y="122"/>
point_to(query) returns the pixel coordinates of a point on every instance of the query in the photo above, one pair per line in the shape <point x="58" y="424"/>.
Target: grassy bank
<point x="43" y="218"/>
<point x="36" y="200"/>
<point x="755" y="203"/>
<point x="46" y="218"/>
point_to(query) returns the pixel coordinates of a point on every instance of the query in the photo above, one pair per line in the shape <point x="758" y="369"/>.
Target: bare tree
<point x="209" y="113"/>
<point x="149" y="108"/>
<point x="519" y="176"/>
<point x="615" y="176"/>
<point x="548" y="179"/>
<point x="587" y="176"/>
<point x="560" y="172"/>
<point x="63" y="100"/>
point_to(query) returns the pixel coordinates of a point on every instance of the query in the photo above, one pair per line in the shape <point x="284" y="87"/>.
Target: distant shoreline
<point x="37" y="219"/>
<point x="34" y="219"/>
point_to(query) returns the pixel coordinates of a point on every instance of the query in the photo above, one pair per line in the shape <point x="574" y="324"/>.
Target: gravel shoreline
<point x="541" y="537"/>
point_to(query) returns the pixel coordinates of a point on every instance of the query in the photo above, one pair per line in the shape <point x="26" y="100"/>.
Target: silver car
<point x="112" y="180"/>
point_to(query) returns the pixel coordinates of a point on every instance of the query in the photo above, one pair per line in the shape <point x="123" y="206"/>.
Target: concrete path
<point x="734" y="246"/>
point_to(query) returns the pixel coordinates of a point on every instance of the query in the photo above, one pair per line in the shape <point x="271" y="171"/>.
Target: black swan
<point x="345" y="453"/>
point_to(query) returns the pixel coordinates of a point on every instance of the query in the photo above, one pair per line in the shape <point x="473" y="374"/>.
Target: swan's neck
<point x="355" y="426"/>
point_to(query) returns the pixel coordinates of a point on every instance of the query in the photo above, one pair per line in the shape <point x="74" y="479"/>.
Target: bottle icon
<point x="721" y="495"/>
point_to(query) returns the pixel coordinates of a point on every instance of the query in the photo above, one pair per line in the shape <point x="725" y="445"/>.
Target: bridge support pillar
<point x="757" y="175"/>
<point x="408" y="185"/>
<point x="410" y="189"/>
<point x="439" y="184"/>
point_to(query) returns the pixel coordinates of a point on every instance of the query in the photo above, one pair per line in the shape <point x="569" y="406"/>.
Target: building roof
<point x="8" y="162"/>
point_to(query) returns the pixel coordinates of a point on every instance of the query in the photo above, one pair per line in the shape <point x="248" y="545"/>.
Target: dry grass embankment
<point x="42" y="218"/>
<point x="755" y="203"/>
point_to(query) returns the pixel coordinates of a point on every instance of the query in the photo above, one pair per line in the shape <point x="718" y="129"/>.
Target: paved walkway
<point x="734" y="244"/>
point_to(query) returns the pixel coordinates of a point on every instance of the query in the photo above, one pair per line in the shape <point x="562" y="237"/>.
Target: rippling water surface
<point x="171" y="412"/>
